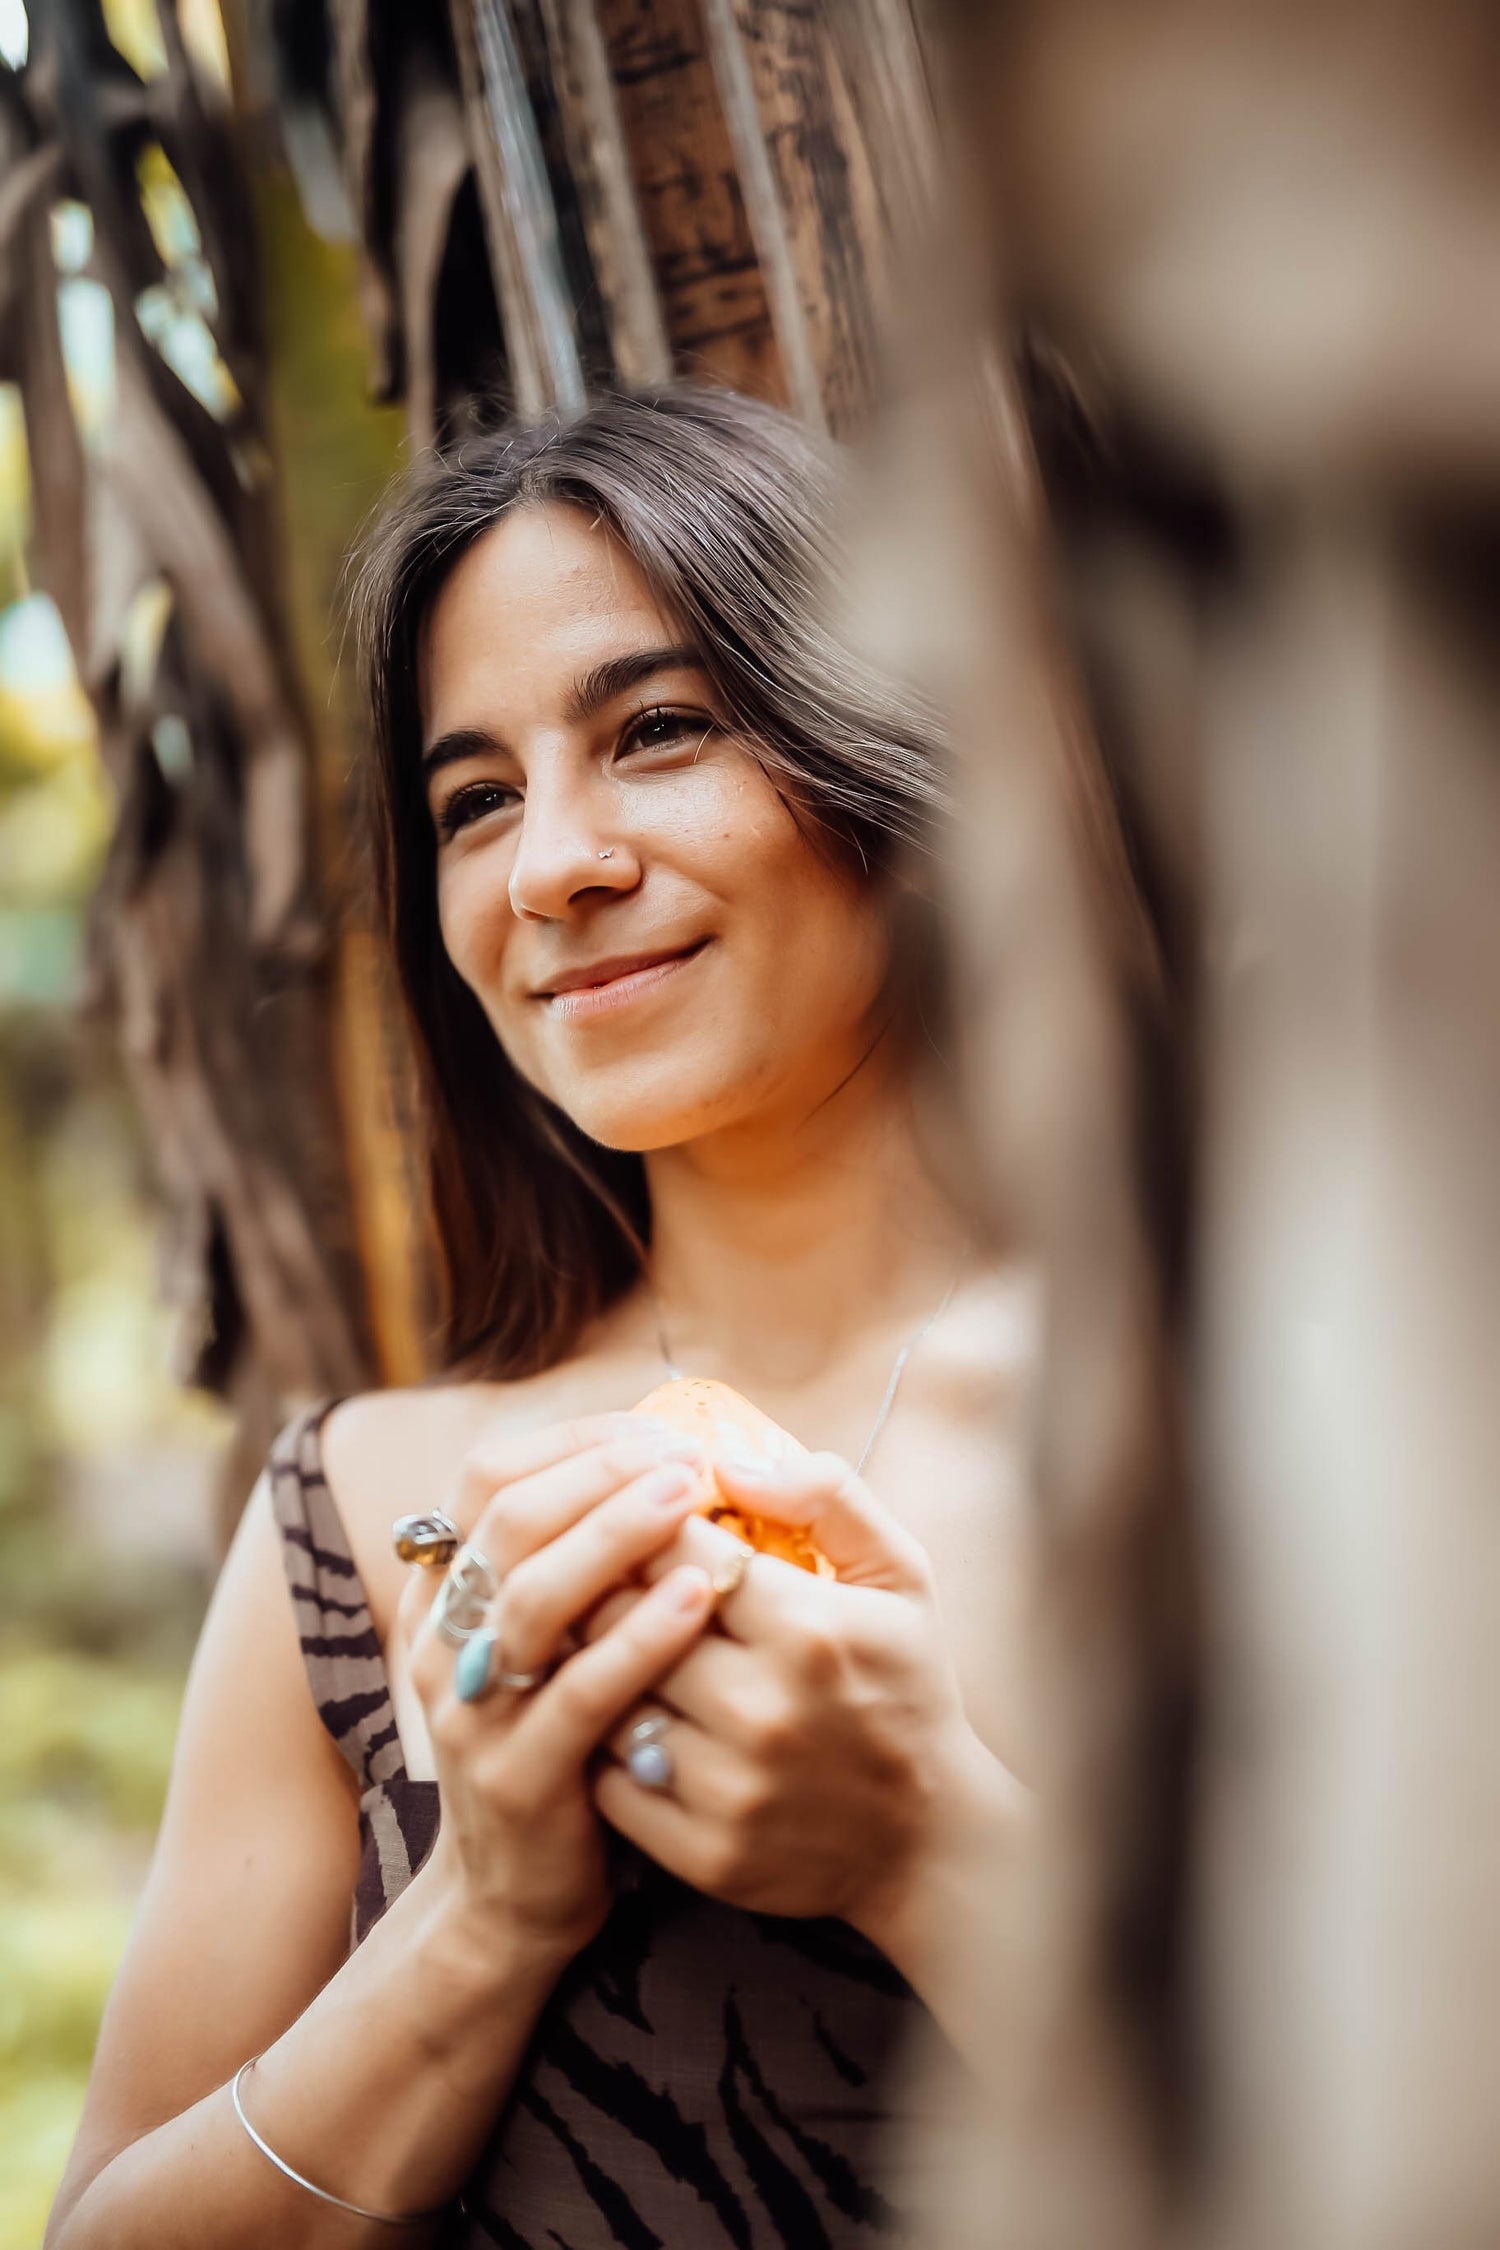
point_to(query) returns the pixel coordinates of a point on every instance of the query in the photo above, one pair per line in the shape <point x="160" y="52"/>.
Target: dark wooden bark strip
<point x="431" y="158"/>
<point x="358" y="107"/>
<point x="713" y="296"/>
<point x="607" y="195"/>
<point x="823" y="218"/>
<point x="150" y="468"/>
<point x="520" y="219"/>
<point x="764" y="208"/>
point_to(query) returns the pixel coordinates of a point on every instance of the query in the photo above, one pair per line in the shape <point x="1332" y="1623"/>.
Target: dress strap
<point x="340" y="1647"/>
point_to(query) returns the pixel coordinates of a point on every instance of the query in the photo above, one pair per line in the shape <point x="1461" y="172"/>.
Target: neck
<point x="779" y="1248"/>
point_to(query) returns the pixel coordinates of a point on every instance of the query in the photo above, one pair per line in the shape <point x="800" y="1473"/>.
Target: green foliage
<point x="85" y="1747"/>
<point x="93" y="1734"/>
<point x="38" y="2119"/>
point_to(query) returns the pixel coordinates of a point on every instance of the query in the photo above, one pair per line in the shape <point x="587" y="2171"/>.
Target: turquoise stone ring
<point x="473" y="1664"/>
<point x="475" y="1673"/>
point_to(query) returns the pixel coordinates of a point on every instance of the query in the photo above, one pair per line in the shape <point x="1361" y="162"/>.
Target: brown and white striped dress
<point x="702" y="2077"/>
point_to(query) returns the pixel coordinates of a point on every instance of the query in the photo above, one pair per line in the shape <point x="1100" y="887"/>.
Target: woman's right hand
<point x="565" y="1515"/>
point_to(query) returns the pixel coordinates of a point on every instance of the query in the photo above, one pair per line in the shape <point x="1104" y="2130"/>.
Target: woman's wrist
<point x="918" y="1918"/>
<point x="478" y="1956"/>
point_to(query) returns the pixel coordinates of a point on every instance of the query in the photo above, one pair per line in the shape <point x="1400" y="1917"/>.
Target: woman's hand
<point x="563" y="1515"/>
<point x="822" y="1760"/>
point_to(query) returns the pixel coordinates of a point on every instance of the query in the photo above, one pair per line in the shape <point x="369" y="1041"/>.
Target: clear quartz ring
<point x="464" y="1597"/>
<point x="647" y="1758"/>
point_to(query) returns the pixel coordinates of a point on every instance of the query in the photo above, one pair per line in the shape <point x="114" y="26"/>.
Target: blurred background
<point x="1167" y="346"/>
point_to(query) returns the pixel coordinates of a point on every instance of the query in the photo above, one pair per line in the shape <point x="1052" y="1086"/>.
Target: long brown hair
<point x="725" y="506"/>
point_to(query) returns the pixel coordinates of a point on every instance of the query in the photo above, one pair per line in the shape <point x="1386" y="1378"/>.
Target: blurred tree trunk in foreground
<point x="1251" y="1995"/>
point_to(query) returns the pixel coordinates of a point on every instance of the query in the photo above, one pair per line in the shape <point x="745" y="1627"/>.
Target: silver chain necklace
<point x="883" y="1414"/>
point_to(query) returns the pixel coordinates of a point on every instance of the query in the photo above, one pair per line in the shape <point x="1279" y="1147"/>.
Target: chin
<point x="661" y="1111"/>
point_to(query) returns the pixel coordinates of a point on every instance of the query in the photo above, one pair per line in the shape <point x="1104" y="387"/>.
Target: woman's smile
<point x="605" y="987"/>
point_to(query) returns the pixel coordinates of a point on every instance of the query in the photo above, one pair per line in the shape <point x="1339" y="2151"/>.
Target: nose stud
<point x="609" y="854"/>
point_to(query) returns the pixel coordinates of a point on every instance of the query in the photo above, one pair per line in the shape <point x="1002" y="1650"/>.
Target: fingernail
<point x="750" y="1468"/>
<point x="690" y="1589"/>
<point x="668" y="1488"/>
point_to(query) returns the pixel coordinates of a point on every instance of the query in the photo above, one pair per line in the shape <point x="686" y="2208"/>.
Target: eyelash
<point x="466" y="806"/>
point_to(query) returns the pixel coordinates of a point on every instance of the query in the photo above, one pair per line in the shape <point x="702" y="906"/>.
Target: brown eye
<point x="665" y="730"/>
<point x="471" y="804"/>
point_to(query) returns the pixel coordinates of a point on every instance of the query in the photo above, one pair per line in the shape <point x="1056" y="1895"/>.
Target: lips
<point x="597" y="975"/>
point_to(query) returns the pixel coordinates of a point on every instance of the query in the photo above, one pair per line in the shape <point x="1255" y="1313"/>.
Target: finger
<point x="820" y="1493"/>
<point x="502" y="1456"/>
<point x="557" y="1585"/>
<point x="417" y="1597"/>
<point x="608" y="1613"/>
<point x="661" y="1825"/>
<point x="565" y="1722"/>
<point x="726" y="1688"/>
<point x="525" y="1516"/>
<point x="760" y="1598"/>
<point x="709" y="1776"/>
<point x="756" y="1597"/>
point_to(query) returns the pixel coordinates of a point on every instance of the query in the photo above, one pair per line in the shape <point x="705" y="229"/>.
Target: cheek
<point x="475" y="920"/>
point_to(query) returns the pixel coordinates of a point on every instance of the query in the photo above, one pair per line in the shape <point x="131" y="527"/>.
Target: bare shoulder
<point x="393" y="1451"/>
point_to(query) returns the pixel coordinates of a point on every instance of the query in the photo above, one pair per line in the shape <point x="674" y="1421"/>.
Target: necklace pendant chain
<point x="883" y="1412"/>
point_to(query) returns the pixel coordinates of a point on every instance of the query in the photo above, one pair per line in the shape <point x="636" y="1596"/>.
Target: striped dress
<point x="702" y="2078"/>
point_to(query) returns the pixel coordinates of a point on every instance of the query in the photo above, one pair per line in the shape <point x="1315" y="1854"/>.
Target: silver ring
<point x="647" y="1758"/>
<point x="464" y="1596"/>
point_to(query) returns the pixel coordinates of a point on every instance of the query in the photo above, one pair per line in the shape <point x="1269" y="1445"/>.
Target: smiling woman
<point x="658" y="1850"/>
<point x="619" y="623"/>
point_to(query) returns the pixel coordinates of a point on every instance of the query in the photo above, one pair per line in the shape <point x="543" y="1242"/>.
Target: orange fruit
<point x="725" y="1422"/>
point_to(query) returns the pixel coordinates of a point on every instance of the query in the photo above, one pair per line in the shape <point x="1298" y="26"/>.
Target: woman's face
<point x="657" y="946"/>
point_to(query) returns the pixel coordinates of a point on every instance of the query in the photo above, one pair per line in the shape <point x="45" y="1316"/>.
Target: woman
<point x="706" y="1829"/>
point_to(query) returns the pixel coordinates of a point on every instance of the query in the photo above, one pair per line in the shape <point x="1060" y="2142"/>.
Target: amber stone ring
<point x="430" y="1540"/>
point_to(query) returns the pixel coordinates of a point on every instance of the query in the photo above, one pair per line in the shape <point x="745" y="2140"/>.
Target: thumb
<point x="820" y="1493"/>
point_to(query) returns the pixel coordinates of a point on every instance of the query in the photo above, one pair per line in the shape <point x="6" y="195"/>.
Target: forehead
<point x="539" y="598"/>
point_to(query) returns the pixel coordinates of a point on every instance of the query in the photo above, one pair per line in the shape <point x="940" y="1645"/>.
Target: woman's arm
<point x="242" y="1930"/>
<point x="381" y="2077"/>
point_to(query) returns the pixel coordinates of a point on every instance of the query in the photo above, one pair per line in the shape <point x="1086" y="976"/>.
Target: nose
<point x="567" y="846"/>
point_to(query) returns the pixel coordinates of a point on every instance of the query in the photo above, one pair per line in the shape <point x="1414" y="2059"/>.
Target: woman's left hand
<point x="821" y="1760"/>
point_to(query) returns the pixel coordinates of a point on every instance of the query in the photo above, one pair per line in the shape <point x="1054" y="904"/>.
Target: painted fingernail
<point x="690" y="1589"/>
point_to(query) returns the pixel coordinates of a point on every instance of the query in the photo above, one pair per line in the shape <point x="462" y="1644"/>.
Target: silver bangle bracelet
<point x="380" y="2218"/>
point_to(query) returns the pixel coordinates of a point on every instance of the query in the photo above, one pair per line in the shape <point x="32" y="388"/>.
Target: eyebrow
<point x="587" y="696"/>
<point x="618" y="674"/>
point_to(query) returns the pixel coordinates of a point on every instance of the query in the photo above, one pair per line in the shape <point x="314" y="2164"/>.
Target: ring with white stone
<point x="647" y="1758"/>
